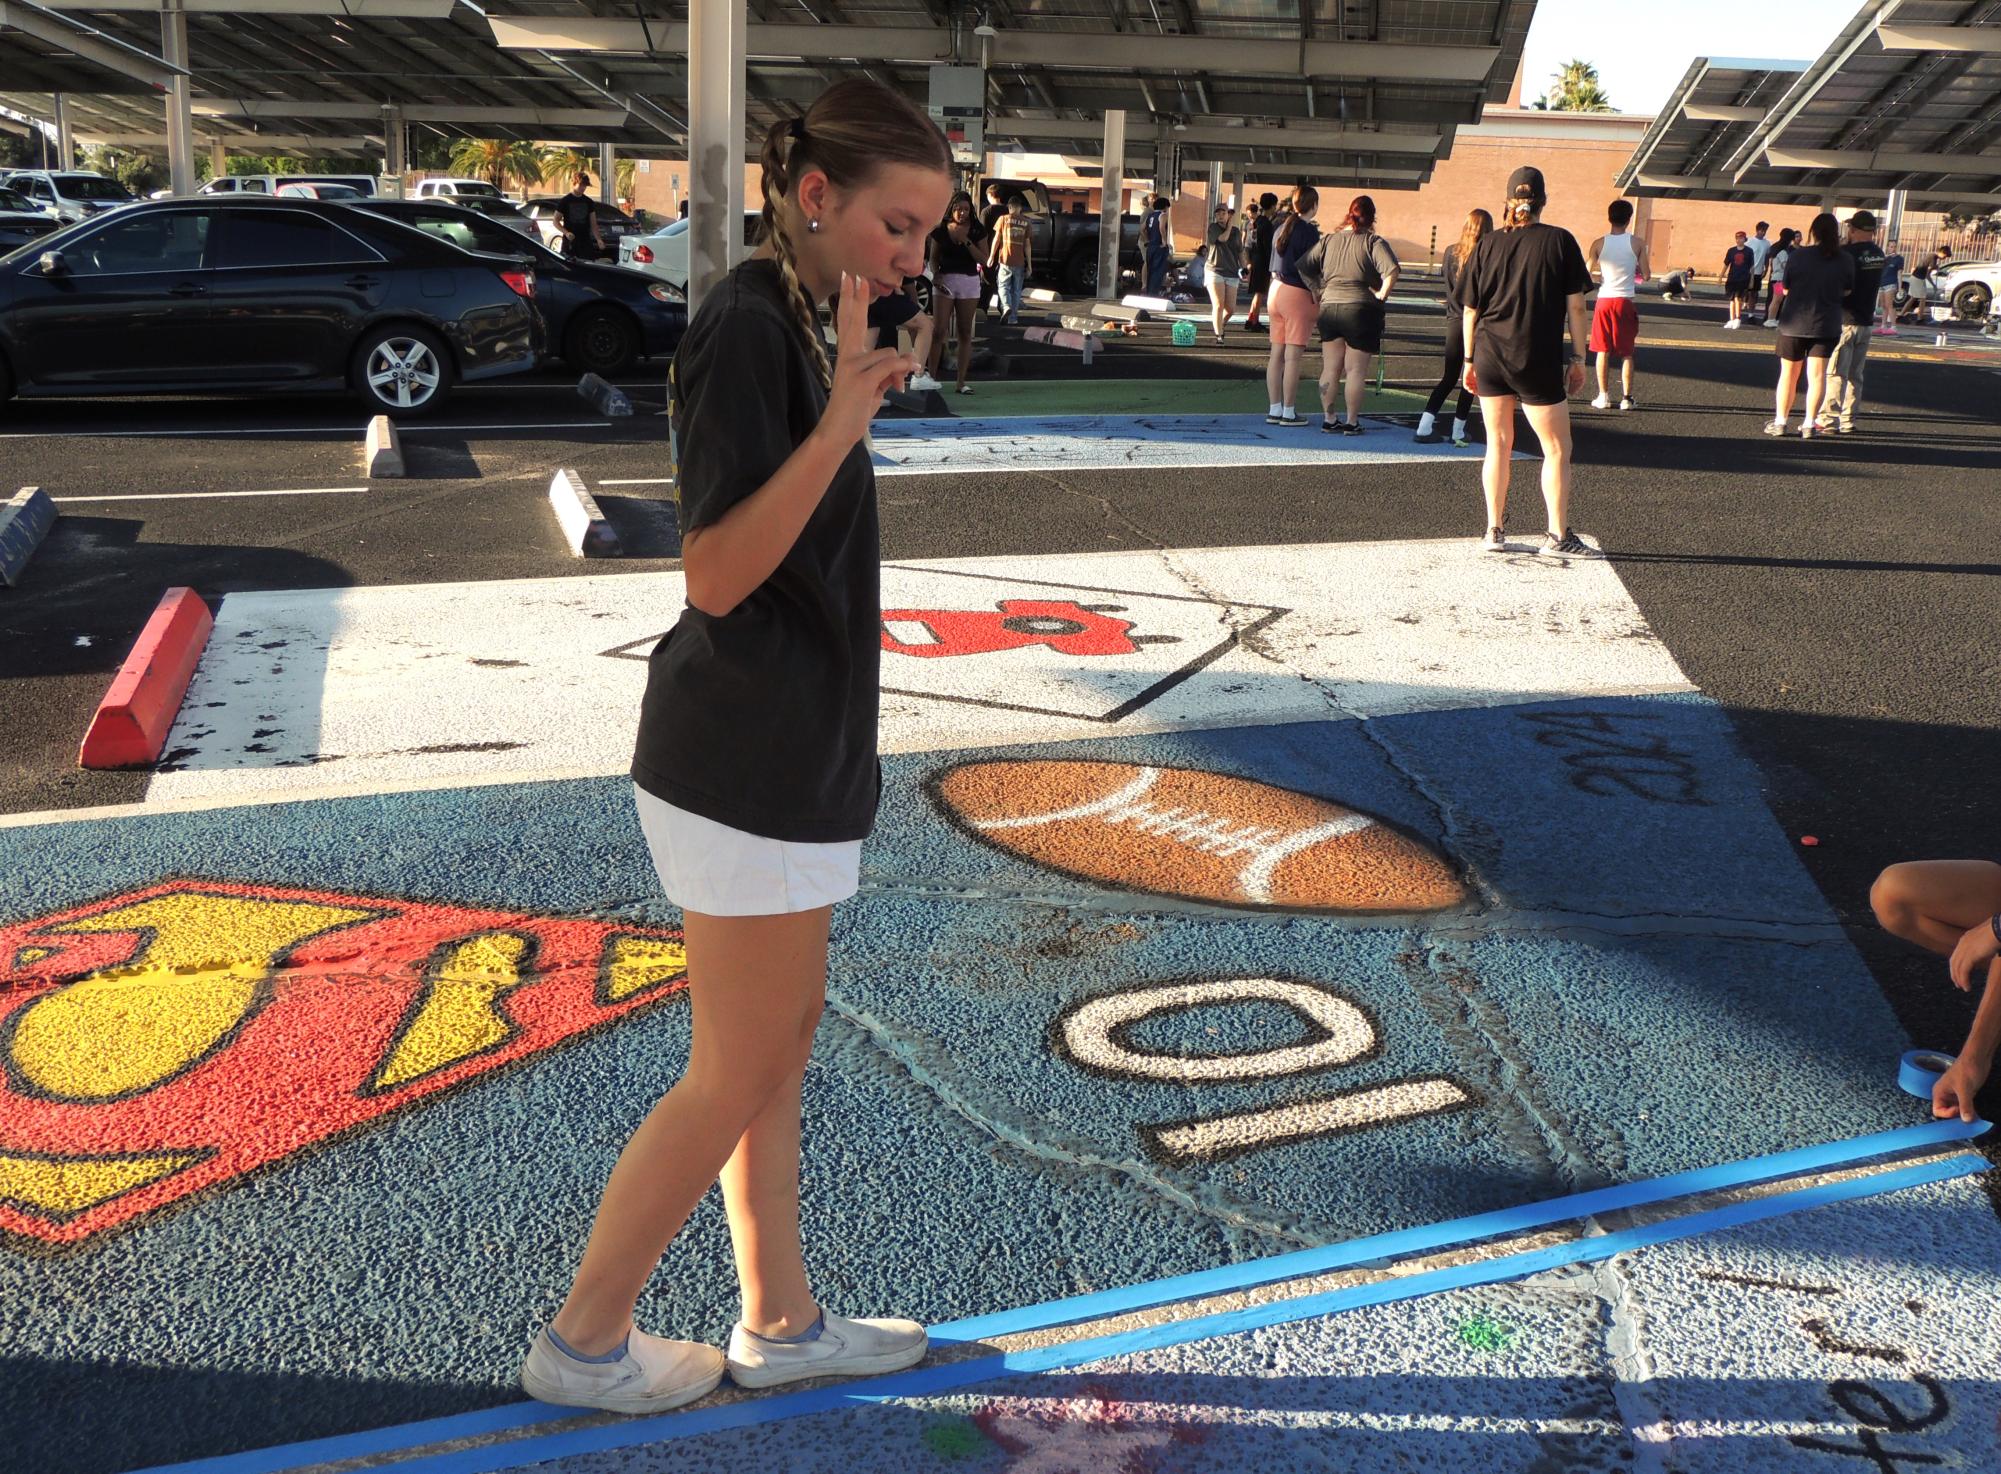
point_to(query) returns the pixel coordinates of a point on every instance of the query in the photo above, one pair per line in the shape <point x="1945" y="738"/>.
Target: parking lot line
<point x="189" y="496"/>
<point x="641" y="481"/>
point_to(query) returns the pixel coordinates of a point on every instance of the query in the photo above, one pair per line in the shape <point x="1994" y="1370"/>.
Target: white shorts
<point x="715" y="870"/>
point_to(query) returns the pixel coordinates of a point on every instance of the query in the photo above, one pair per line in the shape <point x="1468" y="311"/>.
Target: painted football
<point x="1200" y="836"/>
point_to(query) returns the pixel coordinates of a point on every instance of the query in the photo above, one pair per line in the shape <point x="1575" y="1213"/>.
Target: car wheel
<point x="1970" y="302"/>
<point x="402" y="370"/>
<point x="601" y="340"/>
<point x="1080" y="274"/>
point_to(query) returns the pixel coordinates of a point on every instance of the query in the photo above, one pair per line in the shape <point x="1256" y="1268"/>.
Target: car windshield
<point x="499" y="209"/>
<point x="12" y="201"/>
<point x="484" y="191"/>
<point x="90" y="187"/>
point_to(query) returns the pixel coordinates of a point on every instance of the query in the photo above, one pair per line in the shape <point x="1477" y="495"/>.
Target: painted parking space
<point x="343" y="688"/>
<point x="365" y="1062"/>
<point x="1120" y="442"/>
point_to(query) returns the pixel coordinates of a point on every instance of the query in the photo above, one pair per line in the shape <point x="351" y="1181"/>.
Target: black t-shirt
<point x="1261" y="235"/>
<point x="1738" y="261"/>
<point x="575" y="211"/>
<point x="893" y="311"/>
<point x="764" y="719"/>
<point x="1859" y="307"/>
<point x="1520" y="283"/>
<point x="1815" y="287"/>
<point x="955" y="258"/>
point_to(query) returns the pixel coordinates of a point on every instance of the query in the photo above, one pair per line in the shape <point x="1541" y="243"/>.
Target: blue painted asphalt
<point x="955" y="1164"/>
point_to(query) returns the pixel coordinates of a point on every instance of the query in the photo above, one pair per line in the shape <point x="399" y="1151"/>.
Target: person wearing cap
<point x="1851" y="349"/>
<point x="1524" y="285"/>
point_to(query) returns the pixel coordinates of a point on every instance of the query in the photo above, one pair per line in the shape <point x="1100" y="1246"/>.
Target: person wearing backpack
<point x="1012" y="256"/>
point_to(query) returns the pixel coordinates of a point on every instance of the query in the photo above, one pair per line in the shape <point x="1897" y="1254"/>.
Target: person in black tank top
<point x="755" y="765"/>
<point x="1523" y="287"/>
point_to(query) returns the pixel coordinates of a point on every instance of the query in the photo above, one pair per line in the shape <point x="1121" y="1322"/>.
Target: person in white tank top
<point x="1619" y="260"/>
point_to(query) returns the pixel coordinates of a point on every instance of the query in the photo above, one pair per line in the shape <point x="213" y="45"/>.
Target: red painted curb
<point x="132" y="721"/>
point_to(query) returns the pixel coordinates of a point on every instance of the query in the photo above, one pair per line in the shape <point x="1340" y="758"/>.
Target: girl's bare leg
<point x="756" y="985"/>
<point x="1935" y="902"/>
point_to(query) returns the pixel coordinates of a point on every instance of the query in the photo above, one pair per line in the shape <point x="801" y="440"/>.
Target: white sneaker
<point x="835" y="1347"/>
<point x="1732" y="323"/>
<point x="1601" y="402"/>
<point x="650" y="1374"/>
<point x="1493" y="542"/>
<point x="1775" y="427"/>
<point x="924" y="381"/>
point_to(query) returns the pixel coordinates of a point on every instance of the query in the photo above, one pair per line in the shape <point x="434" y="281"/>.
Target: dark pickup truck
<point x="1066" y="245"/>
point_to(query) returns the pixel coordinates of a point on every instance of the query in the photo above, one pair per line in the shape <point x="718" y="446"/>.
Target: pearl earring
<point x="813" y="226"/>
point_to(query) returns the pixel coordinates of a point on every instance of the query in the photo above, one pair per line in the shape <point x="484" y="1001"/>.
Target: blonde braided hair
<point x="854" y="127"/>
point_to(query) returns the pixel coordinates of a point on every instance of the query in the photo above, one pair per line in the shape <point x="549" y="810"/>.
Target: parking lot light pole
<point x="718" y="37"/>
<point x="180" y="132"/>
<point x="1112" y="205"/>
<point x="608" y="173"/>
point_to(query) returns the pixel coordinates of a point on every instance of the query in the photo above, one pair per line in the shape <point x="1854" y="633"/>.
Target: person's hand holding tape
<point x="1954" y="1093"/>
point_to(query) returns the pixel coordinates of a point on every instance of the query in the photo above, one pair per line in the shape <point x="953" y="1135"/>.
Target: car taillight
<point x="523" y="282"/>
<point x="643" y="255"/>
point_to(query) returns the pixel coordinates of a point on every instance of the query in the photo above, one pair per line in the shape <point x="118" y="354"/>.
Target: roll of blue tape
<point x="1919" y="1069"/>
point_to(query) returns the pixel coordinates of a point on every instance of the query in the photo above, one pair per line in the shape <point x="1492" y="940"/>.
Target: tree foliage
<point x="1575" y="89"/>
<point x="497" y="160"/>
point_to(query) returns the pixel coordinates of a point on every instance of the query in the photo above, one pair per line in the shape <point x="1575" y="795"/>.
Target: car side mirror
<point x="52" y="264"/>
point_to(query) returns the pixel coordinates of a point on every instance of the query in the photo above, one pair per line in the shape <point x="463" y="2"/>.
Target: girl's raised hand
<point x="861" y="376"/>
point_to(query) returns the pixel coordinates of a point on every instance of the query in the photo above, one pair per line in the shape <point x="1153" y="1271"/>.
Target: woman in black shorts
<point x="1524" y="283"/>
<point x="1353" y="270"/>
<point x="1258" y="242"/>
<point x="1819" y="275"/>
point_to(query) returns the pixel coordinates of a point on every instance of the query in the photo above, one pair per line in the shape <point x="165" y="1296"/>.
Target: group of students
<point x="755" y="767"/>
<point x="1755" y="266"/>
<point x="1827" y="286"/>
<point x="968" y="260"/>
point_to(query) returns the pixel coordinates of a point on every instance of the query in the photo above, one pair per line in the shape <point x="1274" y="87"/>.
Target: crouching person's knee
<point x="1890" y="899"/>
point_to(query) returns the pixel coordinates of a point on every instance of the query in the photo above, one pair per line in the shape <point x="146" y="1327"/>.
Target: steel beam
<point x="180" y="137"/>
<point x="1885" y="161"/>
<point x="1111" y="203"/>
<point x="1324" y="137"/>
<point x="1983" y="40"/>
<point x="716" y="42"/>
<point x="88" y="43"/>
<point x="1387" y="61"/>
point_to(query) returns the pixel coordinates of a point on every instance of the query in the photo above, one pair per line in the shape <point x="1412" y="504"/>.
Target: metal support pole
<point x="608" y="173"/>
<point x="180" y="131"/>
<point x="1893" y="217"/>
<point x="1112" y="205"/>
<point x="395" y="148"/>
<point x="718" y="37"/>
<point x="65" y="142"/>
<point x="218" y="158"/>
<point x="1215" y="186"/>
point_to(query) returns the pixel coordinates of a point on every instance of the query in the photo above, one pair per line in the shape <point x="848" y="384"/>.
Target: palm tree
<point x="496" y="159"/>
<point x="561" y="164"/>
<point x="1575" y="89"/>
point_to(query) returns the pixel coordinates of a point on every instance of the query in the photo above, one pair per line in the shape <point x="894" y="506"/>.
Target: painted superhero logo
<point x="182" y="1035"/>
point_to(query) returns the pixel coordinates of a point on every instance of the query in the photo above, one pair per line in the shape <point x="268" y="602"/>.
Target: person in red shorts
<point x="1619" y="260"/>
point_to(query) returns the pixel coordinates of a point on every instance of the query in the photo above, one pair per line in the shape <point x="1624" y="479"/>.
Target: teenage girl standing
<point x="756" y="763"/>
<point x="1293" y="312"/>
<point x="1478" y="223"/>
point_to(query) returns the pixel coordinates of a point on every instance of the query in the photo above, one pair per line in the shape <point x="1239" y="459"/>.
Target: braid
<point x="778" y="146"/>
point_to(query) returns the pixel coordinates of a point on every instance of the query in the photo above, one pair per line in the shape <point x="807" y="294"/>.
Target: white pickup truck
<point x="452" y="189"/>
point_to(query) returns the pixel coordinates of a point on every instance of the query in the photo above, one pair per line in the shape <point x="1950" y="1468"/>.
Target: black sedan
<point x="600" y="319"/>
<point x="220" y="295"/>
<point x="22" y="221"/>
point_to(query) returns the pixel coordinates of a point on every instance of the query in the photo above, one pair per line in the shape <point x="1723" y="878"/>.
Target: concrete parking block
<point x="1147" y="304"/>
<point x="606" y="398"/>
<point x="24" y="522"/>
<point x="382" y="448"/>
<point x="138" y="711"/>
<point x="1129" y="310"/>
<point x="1042" y="294"/>
<point x="1084" y="343"/>
<point x="584" y="525"/>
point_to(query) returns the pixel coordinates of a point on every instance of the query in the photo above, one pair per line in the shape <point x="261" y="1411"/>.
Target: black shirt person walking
<point x="577" y="217"/>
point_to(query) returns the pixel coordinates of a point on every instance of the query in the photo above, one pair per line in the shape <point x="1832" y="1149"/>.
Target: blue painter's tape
<point x="24" y="522"/>
<point x="933" y="1380"/>
<point x="1454" y="1233"/>
<point x="1918" y="1071"/>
